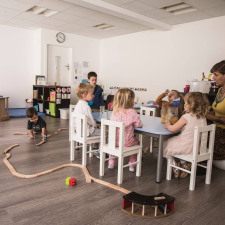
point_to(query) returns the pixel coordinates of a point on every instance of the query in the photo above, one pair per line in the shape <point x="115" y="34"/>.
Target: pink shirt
<point x="131" y="120"/>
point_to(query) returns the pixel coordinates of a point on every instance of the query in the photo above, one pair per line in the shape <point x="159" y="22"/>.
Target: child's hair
<point x="219" y="67"/>
<point x="123" y="99"/>
<point x="198" y="103"/>
<point x="84" y="88"/>
<point x="30" y="112"/>
<point x="92" y="74"/>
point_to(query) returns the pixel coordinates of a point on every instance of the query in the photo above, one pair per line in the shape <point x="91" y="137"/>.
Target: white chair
<point x="148" y="112"/>
<point x="120" y="151"/>
<point x="72" y="107"/>
<point x="200" y="153"/>
<point x="78" y="125"/>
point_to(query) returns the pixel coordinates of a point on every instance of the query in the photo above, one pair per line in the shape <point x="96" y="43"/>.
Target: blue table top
<point x="151" y="124"/>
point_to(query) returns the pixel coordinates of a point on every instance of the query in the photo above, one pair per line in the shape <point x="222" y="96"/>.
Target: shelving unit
<point x="51" y="98"/>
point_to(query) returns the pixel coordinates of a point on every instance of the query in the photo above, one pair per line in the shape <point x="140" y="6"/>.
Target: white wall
<point x="83" y="49"/>
<point x="17" y="63"/>
<point x="158" y="60"/>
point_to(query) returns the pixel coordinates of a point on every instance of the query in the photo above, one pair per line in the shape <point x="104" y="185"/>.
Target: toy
<point x="136" y="201"/>
<point x="70" y="181"/>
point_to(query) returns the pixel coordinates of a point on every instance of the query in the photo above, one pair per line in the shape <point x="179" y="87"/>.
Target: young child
<point x="123" y="112"/>
<point x="35" y="123"/>
<point x="98" y="98"/>
<point x="85" y="94"/>
<point x="196" y="108"/>
<point x="175" y="99"/>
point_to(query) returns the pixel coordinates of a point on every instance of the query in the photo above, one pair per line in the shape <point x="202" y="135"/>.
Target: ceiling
<point x="103" y="19"/>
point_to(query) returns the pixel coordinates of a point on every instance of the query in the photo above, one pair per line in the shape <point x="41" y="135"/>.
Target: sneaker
<point x="93" y="148"/>
<point x="97" y="155"/>
<point x="131" y="169"/>
<point x="176" y="172"/>
<point x="184" y="174"/>
<point x="110" y="167"/>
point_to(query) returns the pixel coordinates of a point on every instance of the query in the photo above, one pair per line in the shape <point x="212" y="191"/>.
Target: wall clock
<point x="60" y="37"/>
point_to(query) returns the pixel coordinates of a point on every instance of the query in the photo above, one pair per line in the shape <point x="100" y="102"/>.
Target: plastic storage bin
<point x="36" y="107"/>
<point x="40" y="105"/>
<point x="64" y="114"/>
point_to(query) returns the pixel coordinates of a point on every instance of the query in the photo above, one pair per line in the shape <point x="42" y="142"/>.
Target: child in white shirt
<point x="85" y="94"/>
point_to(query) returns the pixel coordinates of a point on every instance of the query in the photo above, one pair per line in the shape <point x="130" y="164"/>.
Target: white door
<point x="59" y="65"/>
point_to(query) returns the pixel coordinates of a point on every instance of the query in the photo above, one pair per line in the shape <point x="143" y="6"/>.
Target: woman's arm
<point x="211" y="116"/>
<point x="177" y="126"/>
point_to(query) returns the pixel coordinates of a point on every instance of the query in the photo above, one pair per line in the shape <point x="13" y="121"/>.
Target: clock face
<point x="60" y="37"/>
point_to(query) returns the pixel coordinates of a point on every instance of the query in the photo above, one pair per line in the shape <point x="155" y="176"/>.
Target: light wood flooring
<point x="46" y="200"/>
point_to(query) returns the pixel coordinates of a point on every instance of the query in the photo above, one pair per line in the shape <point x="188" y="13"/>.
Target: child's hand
<point x="32" y="137"/>
<point x="167" y="91"/>
<point x="167" y="124"/>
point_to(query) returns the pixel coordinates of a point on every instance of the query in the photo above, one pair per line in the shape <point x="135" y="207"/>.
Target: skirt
<point x="219" y="144"/>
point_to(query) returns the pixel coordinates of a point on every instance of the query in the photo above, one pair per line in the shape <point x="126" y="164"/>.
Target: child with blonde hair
<point x="123" y="111"/>
<point x="85" y="94"/>
<point x="175" y="99"/>
<point x="196" y="108"/>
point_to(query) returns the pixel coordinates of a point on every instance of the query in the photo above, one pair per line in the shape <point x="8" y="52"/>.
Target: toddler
<point x="85" y="94"/>
<point x="196" y="108"/>
<point x="35" y="123"/>
<point x="175" y="99"/>
<point x="123" y="112"/>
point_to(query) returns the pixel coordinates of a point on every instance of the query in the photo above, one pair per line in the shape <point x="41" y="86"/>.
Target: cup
<point x="102" y="109"/>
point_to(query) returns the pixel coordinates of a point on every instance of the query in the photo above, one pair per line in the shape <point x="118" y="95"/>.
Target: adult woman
<point x="218" y="115"/>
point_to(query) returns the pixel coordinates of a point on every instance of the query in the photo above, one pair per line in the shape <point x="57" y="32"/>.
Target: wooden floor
<point x="47" y="200"/>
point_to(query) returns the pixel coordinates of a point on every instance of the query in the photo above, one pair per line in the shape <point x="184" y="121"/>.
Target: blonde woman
<point x="196" y="108"/>
<point x="123" y="111"/>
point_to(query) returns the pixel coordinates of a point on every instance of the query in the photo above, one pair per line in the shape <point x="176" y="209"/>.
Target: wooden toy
<point x="142" y="205"/>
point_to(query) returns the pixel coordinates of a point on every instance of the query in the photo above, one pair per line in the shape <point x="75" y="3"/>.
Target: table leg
<point x="159" y="160"/>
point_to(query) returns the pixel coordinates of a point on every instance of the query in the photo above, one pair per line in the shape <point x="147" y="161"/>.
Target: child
<point x="35" y="123"/>
<point x="175" y="99"/>
<point x="123" y="112"/>
<point x="196" y="108"/>
<point x="85" y="94"/>
<point x="98" y="98"/>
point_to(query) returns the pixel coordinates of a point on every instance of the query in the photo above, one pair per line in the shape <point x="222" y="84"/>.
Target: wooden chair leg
<point x="151" y="144"/>
<point x="193" y="176"/>
<point x="138" y="166"/>
<point x="71" y="150"/>
<point x="90" y="153"/>
<point x="169" y="169"/>
<point x="102" y="164"/>
<point x="120" y="170"/>
<point x="84" y="154"/>
<point x="208" y="171"/>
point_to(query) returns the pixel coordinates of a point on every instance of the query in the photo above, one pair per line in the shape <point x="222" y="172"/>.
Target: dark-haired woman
<point x="218" y="115"/>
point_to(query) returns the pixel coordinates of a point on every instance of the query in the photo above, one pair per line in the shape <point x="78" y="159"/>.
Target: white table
<point x="153" y="127"/>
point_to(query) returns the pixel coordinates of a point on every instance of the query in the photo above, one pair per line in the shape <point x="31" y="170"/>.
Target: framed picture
<point x="40" y="80"/>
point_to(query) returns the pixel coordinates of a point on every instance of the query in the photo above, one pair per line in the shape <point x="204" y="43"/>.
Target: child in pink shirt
<point x="123" y="111"/>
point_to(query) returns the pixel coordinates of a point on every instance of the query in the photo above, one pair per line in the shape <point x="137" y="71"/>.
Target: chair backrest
<point x="147" y="111"/>
<point x="110" y="140"/>
<point x="72" y="107"/>
<point x="79" y="127"/>
<point x="204" y="137"/>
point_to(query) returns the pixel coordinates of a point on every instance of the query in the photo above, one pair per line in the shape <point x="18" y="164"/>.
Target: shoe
<point x="110" y="167"/>
<point x="97" y="155"/>
<point x="176" y="172"/>
<point x="94" y="149"/>
<point x="131" y="169"/>
<point x="184" y="174"/>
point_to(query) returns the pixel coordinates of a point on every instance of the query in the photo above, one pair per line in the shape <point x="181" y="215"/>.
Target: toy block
<point x="68" y="180"/>
<point x="72" y="181"/>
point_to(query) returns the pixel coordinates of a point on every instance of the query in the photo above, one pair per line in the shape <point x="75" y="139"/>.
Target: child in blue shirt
<point x="98" y="98"/>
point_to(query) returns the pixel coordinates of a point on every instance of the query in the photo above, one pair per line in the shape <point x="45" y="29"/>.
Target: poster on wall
<point x="80" y="71"/>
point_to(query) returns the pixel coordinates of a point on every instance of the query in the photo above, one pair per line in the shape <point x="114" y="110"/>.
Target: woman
<point x="218" y="115"/>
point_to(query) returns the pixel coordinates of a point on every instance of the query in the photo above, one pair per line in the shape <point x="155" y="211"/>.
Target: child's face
<point x="88" y="97"/>
<point x="92" y="81"/>
<point x="172" y="95"/>
<point x="34" y="119"/>
<point x="186" y="107"/>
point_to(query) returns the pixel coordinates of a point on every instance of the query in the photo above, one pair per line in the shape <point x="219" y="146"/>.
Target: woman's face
<point x="219" y="78"/>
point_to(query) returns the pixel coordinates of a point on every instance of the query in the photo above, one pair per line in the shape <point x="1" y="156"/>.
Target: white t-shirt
<point x="83" y="108"/>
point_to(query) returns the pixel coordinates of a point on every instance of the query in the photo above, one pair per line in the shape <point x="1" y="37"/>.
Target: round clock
<point x="60" y="37"/>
